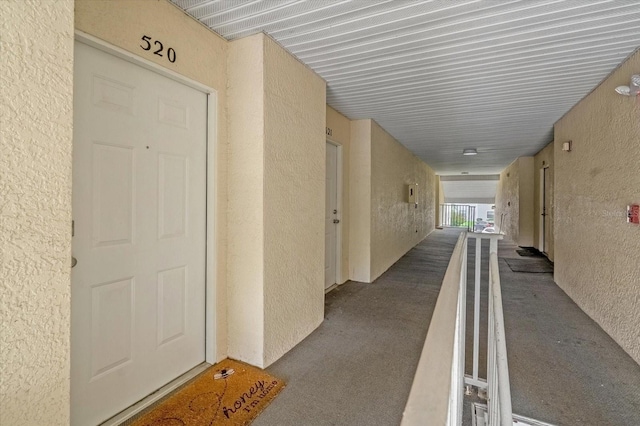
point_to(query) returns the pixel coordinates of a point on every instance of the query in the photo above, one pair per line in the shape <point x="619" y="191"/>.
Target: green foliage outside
<point x="459" y="219"/>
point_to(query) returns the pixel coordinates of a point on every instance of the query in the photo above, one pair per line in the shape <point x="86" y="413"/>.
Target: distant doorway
<point x="545" y="227"/>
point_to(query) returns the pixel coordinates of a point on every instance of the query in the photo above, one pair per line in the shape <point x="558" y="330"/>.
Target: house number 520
<point x="158" y="48"/>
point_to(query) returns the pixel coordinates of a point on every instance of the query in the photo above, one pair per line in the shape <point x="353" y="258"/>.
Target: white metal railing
<point x="457" y="215"/>
<point x="437" y="392"/>
<point x="499" y="392"/>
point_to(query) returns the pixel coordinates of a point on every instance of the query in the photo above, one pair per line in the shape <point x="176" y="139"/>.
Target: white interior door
<point x="331" y="216"/>
<point x="139" y="204"/>
<point x="546" y="210"/>
<point x="541" y="219"/>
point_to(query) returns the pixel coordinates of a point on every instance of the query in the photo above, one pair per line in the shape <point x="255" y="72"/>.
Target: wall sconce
<point x="566" y="146"/>
<point x="633" y="89"/>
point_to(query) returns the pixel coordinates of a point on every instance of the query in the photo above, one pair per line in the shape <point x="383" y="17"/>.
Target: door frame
<point x="339" y="204"/>
<point x="211" y="188"/>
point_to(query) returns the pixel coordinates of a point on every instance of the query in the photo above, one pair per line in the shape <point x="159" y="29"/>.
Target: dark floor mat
<point x="526" y="253"/>
<point x="529" y="265"/>
<point x="529" y="252"/>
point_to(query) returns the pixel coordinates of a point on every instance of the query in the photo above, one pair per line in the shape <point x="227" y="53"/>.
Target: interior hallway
<point x="357" y="368"/>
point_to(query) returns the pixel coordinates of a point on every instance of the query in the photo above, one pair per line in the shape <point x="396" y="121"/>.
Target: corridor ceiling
<point x="444" y="75"/>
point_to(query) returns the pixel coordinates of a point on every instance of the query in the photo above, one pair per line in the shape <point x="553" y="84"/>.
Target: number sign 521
<point x="158" y="48"/>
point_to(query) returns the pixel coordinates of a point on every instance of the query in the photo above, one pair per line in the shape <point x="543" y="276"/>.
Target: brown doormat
<point x="228" y="393"/>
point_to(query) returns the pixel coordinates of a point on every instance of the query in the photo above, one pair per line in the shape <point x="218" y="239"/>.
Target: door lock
<point x="336" y="220"/>
<point x="335" y="211"/>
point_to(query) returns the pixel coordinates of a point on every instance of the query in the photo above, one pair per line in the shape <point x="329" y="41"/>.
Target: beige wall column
<point x="527" y="182"/>
<point x="36" y="76"/>
<point x="360" y="201"/>
<point x="276" y="200"/>
<point x="514" y="202"/>
<point x="507" y="212"/>
<point x="597" y="252"/>
<point x="245" y="273"/>
<point x="294" y="191"/>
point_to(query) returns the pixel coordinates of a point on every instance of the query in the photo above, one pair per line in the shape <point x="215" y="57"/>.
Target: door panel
<point x="139" y="198"/>
<point x="111" y="325"/>
<point x="113" y="176"/>
<point x="331" y="207"/>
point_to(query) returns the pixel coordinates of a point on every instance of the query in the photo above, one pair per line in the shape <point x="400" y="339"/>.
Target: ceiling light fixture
<point x="470" y="151"/>
<point x="633" y="89"/>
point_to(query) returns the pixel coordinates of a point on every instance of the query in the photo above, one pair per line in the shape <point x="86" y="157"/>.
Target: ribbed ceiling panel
<point x="444" y="75"/>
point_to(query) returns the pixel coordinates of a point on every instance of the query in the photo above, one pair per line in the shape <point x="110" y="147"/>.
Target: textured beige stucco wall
<point x="439" y="200"/>
<point x="507" y="212"/>
<point x="526" y="204"/>
<point x="294" y="200"/>
<point x="360" y="201"/>
<point x="245" y="275"/>
<point x="201" y="55"/>
<point x="36" y="128"/>
<point x="396" y="225"/>
<point x="277" y="146"/>
<point x="341" y="134"/>
<point x="597" y="252"/>
<point x="544" y="158"/>
<point x="514" y="201"/>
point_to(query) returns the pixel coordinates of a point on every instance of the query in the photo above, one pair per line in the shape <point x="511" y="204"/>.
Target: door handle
<point x="74" y="261"/>
<point x="336" y="220"/>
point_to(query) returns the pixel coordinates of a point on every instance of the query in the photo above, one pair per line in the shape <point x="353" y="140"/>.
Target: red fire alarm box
<point x="633" y="214"/>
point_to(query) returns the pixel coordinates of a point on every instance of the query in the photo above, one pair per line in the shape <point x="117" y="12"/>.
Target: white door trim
<point x="211" y="183"/>
<point x="339" y="204"/>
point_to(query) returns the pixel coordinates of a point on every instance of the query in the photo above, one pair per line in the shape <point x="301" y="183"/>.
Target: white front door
<point x="138" y="288"/>
<point x="546" y="210"/>
<point x="330" y="216"/>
